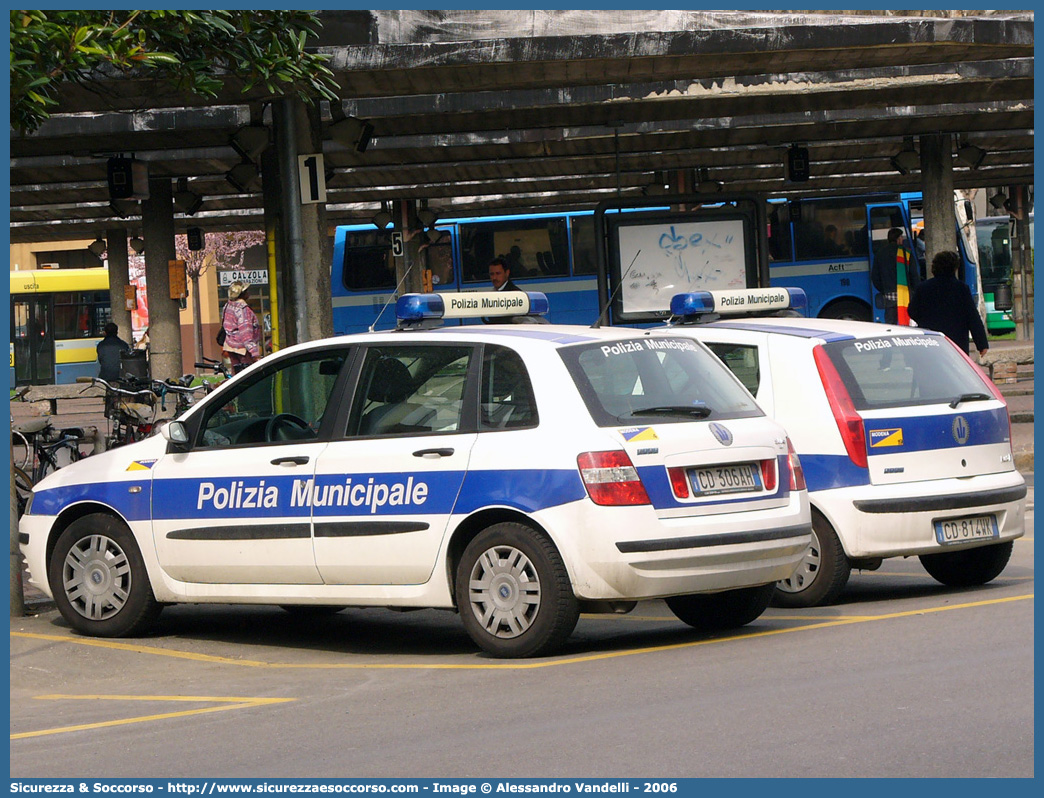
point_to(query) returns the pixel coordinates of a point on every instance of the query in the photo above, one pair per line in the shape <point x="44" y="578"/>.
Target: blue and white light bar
<point x="743" y="300"/>
<point x="470" y="305"/>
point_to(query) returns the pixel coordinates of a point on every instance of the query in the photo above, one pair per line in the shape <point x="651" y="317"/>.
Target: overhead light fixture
<point x="137" y="244"/>
<point x="705" y="185"/>
<point x="352" y="132"/>
<point x="426" y="216"/>
<point x="250" y="141"/>
<point x="433" y="236"/>
<point x="999" y="201"/>
<point x="98" y="246"/>
<point x="970" y="155"/>
<point x="244" y="177"/>
<point x="383" y="217"/>
<point x="186" y="201"/>
<point x="906" y="160"/>
<point x="123" y="208"/>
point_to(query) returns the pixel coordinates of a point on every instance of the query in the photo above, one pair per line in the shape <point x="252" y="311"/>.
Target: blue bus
<point x="823" y="246"/>
<point x="549" y="252"/>
<point x="826" y="246"/>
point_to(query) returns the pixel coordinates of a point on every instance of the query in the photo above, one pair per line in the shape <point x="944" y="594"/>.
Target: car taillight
<point x="768" y="474"/>
<point x="986" y="379"/>
<point x="849" y="423"/>
<point x="611" y="479"/>
<point x="797" y="473"/>
<point x="679" y="482"/>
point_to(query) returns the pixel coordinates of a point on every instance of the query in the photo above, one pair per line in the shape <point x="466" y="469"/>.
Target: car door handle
<point x="433" y="453"/>
<point x="290" y="461"/>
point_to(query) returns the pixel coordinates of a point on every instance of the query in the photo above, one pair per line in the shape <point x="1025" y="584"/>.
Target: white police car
<point x="905" y="443"/>
<point x="518" y="473"/>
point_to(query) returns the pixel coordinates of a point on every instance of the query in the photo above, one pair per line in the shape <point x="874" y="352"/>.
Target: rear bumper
<point x="898" y="520"/>
<point x="623" y="553"/>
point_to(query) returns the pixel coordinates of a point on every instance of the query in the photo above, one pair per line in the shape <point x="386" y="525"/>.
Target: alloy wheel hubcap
<point x="504" y="591"/>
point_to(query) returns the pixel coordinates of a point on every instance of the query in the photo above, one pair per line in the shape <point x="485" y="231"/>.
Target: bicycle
<point x="131" y="411"/>
<point x="184" y="393"/>
<point x="215" y="366"/>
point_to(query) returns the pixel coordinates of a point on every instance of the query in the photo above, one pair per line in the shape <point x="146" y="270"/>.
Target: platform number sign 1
<point x="398" y="248"/>
<point x="312" y="174"/>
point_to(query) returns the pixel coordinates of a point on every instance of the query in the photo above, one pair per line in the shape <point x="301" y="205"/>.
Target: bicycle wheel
<point x="21" y="451"/>
<point x="55" y="456"/>
<point x="23" y="487"/>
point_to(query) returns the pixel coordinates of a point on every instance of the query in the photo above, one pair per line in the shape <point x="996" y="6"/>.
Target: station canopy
<point x="482" y="112"/>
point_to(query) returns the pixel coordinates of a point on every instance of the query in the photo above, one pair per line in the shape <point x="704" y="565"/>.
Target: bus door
<point x="32" y="333"/>
<point x="880" y="218"/>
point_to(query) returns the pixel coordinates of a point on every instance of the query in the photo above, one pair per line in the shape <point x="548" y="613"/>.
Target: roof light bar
<point x="470" y="305"/>
<point x="744" y="300"/>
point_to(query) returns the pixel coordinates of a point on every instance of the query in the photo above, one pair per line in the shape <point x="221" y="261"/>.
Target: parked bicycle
<point x="215" y="366"/>
<point x="130" y="408"/>
<point x="183" y="391"/>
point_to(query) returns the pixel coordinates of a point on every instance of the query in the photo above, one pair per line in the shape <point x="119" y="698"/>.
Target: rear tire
<point x="970" y="567"/>
<point x="98" y="579"/>
<point x="720" y="611"/>
<point x="847" y="309"/>
<point x="822" y="574"/>
<point x="513" y="592"/>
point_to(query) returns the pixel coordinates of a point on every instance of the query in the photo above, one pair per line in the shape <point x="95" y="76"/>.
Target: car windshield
<point x="902" y="370"/>
<point x="655" y="380"/>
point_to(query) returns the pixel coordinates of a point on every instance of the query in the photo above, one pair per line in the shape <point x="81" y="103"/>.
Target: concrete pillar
<point x="119" y="279"/>
<point x="306" y="310"/>
<point x="157" y="217"/>
<point x="940" y="231"/>
<point x="410" y="267"/>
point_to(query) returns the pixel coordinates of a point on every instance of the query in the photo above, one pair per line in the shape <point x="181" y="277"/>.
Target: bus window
<point x="779" y="233"/>
<point x="583" y="239"/>
<point x="830" y="229"/>
<point x="440" y="261"/>
<point x="80" y="314"/>
<point x="368" y="262"/>
<point x="531" y="247"/>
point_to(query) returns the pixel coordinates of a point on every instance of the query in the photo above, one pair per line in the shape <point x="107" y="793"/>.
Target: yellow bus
<point x="57" y="318"/>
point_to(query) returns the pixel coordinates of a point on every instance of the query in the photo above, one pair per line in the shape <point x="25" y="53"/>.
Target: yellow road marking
<point x="834" y="621"/>
<point x="224" y="702"/>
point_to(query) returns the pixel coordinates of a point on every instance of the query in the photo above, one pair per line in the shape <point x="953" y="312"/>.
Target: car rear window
<point x="661" y="380"/>
<point x="902" y="370"/>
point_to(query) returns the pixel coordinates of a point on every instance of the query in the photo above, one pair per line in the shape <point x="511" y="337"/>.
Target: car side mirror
<point x="175" y="433"/>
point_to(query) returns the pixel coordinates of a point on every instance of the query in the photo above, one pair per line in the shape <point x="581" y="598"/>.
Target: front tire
<point x="713" y="612"/>
<point x="970" y="567"/>
<point x="513" y="592"/>
<point x="822" y="574"/>
<point x="98" y="579"/>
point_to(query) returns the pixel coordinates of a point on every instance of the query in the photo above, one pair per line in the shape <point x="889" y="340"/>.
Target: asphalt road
<point x="903" y="678"/>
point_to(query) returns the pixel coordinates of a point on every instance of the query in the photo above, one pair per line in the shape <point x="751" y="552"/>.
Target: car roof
<point x="556" y="335"/>
<point x="827" y="330"/>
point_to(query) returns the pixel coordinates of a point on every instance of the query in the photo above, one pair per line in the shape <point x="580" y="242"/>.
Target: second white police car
<point x="518" y="473"/>
<point x="905" y="443"/>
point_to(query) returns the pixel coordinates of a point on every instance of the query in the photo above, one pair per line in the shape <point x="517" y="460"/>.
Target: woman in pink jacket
<point x="242" y="330"/>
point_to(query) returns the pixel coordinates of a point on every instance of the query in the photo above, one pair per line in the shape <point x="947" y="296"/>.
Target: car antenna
<point x="612" y="296"/>
<point x="395" y="295"/>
